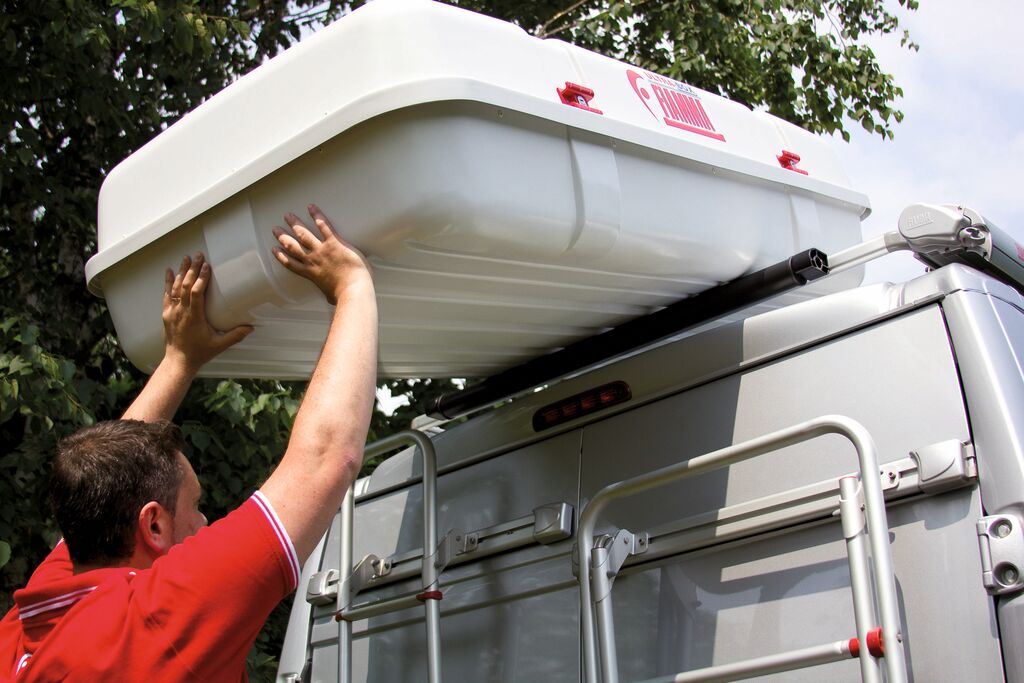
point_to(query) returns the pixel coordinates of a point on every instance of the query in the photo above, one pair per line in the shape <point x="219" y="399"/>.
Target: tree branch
<point x="544" y="32"/>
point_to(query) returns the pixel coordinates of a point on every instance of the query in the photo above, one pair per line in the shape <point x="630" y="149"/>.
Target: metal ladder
<point x="860" y="497"/>
<point x="353" y="578"/>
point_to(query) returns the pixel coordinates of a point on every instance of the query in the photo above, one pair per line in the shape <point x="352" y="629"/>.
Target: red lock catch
<point x="788" y="160"/>
<point x="578" y="96"/>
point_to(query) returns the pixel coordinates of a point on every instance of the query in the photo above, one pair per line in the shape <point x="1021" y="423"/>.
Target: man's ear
<point x="155" y="530"/>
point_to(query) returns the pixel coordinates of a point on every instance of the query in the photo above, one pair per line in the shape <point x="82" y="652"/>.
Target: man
<point x="140" y="589"/>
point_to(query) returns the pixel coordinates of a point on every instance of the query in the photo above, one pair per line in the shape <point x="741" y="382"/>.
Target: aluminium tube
<point x="429" y="574"/>
<point x="804" y="431"/>
<point x="860" y="254"/>
<point x="376" y="609"/>
<point x="605" y="618"/>
<point x="860" y="574"/>
<point x="429" y="570"/>
<point x="345" y="587"/>
<point x="762" y="666"/>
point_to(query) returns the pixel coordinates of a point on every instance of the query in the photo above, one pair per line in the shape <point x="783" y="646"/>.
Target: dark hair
<point x="102" y="476"/>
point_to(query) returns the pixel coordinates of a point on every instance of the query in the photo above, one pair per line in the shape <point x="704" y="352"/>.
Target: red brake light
<point x="581" y="404"/>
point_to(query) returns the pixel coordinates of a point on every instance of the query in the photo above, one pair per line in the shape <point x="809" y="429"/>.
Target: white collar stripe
<point x="54" y="603"/>
<point x="281" y="533"/>
<point x="58" y="598"/>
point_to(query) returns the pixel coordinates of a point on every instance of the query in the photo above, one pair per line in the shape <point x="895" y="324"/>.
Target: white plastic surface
<point x="501" y="222"/>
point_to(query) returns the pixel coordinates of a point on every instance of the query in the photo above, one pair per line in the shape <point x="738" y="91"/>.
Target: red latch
<point x="429" y="595"/>
<point x="578" y="96"/>
<point x="788" y="160"/>
<point x="876" y="644"/>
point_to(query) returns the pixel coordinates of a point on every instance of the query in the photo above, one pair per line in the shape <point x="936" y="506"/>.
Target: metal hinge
<point x="610" y="553"/>
<point x="322" y="588"/>
<point x="456" y="542"/>
<point x="1001" y="541"/>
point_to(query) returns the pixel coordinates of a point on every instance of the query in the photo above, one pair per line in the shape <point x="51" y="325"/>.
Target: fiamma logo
<point x="679" y="104"/>
<point x="919" y="219"/>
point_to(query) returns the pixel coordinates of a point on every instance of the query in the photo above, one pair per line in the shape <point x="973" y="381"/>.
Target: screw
<point x="892" y="476"/>
<point x="1008" y="576"/>
<point x="1003" y="529"/>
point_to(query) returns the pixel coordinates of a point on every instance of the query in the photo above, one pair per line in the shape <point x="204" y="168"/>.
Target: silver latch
<point x="552" y="522"/>
<point x="322" y="588"/>
<point x="945" y="465"/>
<point x="1001" y="541"/>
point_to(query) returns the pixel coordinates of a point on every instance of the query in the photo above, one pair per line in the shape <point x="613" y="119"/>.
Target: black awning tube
<point x="688" y="313"/>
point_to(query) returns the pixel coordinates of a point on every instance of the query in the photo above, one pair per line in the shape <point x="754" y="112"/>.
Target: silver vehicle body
<point x="737" y="563"/>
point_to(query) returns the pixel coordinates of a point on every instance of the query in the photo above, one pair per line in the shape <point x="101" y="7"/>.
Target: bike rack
<point x="599" y="563"/>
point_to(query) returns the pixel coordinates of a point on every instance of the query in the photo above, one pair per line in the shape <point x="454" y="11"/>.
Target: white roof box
<point x="513" y="194"/>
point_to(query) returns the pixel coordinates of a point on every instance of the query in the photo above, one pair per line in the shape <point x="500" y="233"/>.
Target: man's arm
<point x="190" y="341"/>
<point x="325" y="450"/>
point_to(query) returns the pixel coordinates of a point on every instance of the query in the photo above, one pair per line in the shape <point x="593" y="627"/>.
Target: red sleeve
<point x="210" y="595"/>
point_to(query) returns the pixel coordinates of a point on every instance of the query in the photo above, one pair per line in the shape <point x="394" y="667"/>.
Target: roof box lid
<point x="513" y="195"/>
<point x="392" y="54"/>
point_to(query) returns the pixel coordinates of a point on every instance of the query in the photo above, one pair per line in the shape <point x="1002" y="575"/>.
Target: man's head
<point x="124" y="493"/>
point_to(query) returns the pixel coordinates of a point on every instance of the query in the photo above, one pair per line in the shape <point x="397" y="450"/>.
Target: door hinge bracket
<point x="1001" y="541"/>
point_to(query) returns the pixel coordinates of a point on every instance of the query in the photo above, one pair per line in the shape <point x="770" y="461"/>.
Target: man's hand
<point x="331" y="264"/>
<point x="190" y="341"/>
<point x="189" y="338"/>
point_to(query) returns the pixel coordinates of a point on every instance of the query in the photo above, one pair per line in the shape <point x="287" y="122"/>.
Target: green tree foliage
<point x="803" y="60"/>
<point x="84" y="83"/>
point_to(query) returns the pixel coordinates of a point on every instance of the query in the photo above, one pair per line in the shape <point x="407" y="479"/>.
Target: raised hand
<point x="331" y="263"/>
<point x="189" y="337"/>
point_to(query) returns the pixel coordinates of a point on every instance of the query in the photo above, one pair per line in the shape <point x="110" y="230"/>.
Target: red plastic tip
<point x="876" y="644"/>
<point x="429" y="595"/>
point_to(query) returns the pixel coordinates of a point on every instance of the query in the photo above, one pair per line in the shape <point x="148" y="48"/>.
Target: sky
<point x="962" y="140"/>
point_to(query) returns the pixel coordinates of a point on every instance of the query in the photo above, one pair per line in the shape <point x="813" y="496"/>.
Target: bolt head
<point x="1009" y="575"/>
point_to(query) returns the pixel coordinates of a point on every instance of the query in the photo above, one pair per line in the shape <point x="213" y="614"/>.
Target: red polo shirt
<point x="192" y="616"/>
